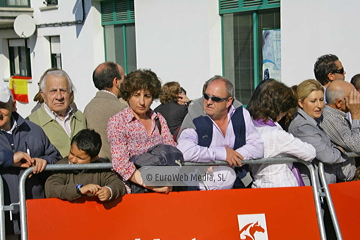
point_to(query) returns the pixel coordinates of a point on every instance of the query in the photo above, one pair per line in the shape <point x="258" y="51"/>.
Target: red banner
<point x="251" y="214"/>
<point x="346" y="200"/>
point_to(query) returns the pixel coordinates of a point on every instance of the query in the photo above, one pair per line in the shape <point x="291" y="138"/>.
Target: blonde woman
<point x="305" y="126"/>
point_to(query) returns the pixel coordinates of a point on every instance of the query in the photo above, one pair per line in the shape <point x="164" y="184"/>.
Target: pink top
<point x="128" y="137"/>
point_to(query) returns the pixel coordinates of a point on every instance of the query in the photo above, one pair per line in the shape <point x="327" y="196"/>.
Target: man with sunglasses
<point x="328" y="68"/>
<point x="222" y="133"/>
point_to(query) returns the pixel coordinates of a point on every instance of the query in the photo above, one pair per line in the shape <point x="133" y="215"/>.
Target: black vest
<point x="204" y="129"/>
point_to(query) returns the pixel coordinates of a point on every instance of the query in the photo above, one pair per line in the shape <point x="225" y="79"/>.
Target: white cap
<point x="4" y="92"/>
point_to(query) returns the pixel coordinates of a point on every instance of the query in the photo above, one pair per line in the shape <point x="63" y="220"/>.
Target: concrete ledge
<point x="13" y="9"/>
<point x="14" y="12"/>
<point x="52" y="7"/>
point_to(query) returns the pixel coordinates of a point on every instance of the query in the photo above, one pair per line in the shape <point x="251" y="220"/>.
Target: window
<point x="51" y="2"/>
<point x="19" y="54"/>
<point x="15" y="3"/>
<point x="55" y="50"/>
<point x="118" y="19"/>
<point x="243" y="23"/>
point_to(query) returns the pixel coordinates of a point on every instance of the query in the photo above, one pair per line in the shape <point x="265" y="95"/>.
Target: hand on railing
<point x="21" y="159"/>
<point x="233" y="157"/>
<point x="39" y="165"/>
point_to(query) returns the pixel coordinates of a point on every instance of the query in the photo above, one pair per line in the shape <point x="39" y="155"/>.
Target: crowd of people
<point x="317" y="120"/>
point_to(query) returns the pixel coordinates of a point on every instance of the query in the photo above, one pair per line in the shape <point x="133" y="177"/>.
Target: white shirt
<point x="279" y="143"/>
<point x="108" y="92"/>
<point x="253" y="149"/>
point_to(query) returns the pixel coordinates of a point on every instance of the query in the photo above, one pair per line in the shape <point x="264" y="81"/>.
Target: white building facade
<point x="187" y="41"/>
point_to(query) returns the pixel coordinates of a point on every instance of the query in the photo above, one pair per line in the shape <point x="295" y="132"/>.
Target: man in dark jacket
<point x="23" y="144"/>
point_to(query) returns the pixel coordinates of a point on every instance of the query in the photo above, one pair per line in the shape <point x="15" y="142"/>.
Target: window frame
<point x="55" y="55"/>
<point x="236" y="6"/>
<point x="4" y="4"/>
<point x="244" y="6"/>
<point x="51" y="2"/>
<point x="118" y="12"/>
<point x="11" y="58"/>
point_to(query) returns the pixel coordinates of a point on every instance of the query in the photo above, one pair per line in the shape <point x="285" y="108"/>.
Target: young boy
<point x="85" y="147"/>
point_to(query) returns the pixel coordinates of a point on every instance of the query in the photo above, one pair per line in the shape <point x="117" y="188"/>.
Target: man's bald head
<point x="105" y="74"/>
<point x="337" y="91"/>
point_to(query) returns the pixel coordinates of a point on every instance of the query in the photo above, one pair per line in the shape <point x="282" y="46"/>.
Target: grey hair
<point x="333" y="94"/>
<point x="229" y="86"/>
<point x="57" y="73"/>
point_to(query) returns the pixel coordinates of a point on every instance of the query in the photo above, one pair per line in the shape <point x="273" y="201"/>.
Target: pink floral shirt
<point x="128" y="137"/>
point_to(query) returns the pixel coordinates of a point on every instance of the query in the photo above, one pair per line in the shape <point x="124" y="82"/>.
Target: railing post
<point x="316" y="191"/>
<point x="2" y="212"/>
<point x="329" y="201"/>
<point x="22" y="197"/>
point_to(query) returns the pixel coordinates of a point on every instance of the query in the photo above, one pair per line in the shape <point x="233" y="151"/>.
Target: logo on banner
<point x="252" y="227"/>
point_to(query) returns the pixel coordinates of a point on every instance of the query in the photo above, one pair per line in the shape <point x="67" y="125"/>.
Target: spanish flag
<point x="19" y="88"/>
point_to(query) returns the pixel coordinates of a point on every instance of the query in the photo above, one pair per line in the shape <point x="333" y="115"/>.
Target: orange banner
<point x="346" y="200"/>
<point x="19" y="88"/>
<point x="256" y="214"/>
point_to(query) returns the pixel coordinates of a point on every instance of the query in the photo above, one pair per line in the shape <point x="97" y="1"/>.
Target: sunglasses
<point x="340" y="71"/>
<point x="214" y="99"/>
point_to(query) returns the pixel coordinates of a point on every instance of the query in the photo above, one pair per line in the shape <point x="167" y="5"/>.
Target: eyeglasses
<point x="214" y="99"/>
<point x="340" y="71"/>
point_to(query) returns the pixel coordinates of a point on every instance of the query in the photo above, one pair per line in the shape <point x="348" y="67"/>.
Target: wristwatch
<point x="78" y="186"/>
<point x="187" y="103"/>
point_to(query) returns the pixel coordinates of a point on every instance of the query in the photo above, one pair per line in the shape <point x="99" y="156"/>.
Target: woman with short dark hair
<point x="137" y="128"/>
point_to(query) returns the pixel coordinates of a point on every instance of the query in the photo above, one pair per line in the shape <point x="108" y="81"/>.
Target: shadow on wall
<point x="81" y="10"/>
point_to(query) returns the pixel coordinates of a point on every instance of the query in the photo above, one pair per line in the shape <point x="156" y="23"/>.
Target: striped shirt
<point x="340" y="130"/>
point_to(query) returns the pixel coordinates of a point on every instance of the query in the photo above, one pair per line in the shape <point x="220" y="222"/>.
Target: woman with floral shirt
<point x="134" y="130"/>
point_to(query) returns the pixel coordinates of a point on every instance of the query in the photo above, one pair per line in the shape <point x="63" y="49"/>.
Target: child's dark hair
<point x="88" y="141"/>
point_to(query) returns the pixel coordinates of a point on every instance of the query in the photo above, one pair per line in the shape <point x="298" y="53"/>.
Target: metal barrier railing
<point x="4" y="208"/>
<point x="329" y="201"/>
<point x="315" y="188"/>
<point x="313" y="179"/>
<point x="329" y="198"/>
<point x="2" y="212"/>
<point x="55" y="167"/>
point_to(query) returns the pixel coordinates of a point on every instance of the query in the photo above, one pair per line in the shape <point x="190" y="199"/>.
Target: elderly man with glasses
<point x="223" y="133"/>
